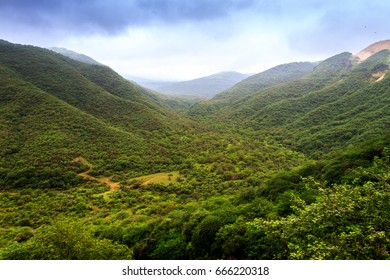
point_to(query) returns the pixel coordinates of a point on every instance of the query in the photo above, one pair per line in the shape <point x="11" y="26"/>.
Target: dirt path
<point x="107" y="180"/>
<point x="103" y="180"/>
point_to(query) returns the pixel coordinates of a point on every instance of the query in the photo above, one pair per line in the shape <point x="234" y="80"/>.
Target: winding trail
<point x="103" y="180"/>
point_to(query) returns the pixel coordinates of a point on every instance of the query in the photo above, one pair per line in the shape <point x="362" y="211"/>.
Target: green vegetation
<point x="336" y="105"/>
<point x="66" y="239"/>
<point x="95" y="167"/>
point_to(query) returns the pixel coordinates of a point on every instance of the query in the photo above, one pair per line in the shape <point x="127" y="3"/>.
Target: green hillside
<point x="54" y="109"/>
<point x="94" y="89"/>
<point x="95" y="167"/>
<point x="339" y="103"/>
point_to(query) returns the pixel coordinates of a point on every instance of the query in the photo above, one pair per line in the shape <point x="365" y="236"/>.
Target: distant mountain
<point x="76" y="56"/>
<point x="148" y="83"/>
<point x="205" y="87"/>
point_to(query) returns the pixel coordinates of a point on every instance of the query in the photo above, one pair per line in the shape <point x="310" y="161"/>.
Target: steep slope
<point x="325" y="74"/>
<point x="205" y="87"/>
<point x="353" y="110"/>
<point x="94" y="89"/>
<point x="40" y="135"/>
<point x="112" y="82"/>
<point x="54" y="109"/>
<point x="337" y="104"/>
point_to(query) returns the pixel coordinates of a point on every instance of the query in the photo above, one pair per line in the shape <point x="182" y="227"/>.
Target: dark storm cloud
<point x="112" y="16"/>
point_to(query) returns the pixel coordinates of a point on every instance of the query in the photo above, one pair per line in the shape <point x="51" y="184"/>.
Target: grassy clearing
<point x="157" y="178"/>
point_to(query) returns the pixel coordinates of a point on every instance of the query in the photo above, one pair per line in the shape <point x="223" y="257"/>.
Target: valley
<point x="289" y="163"/>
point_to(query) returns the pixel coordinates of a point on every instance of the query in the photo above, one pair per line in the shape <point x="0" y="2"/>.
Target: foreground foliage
<point x="67" y="239"/>
<point x="208" y="217"/>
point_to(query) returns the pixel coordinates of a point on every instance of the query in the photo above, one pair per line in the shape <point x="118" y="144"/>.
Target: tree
<point x="67" y="239"/>
<point x="204" y="235"/>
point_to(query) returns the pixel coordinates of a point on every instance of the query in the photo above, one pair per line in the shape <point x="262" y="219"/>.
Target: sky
<point x="187" y="39"/>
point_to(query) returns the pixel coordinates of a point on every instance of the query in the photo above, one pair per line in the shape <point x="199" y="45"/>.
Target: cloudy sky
<point x="185" y="39"/>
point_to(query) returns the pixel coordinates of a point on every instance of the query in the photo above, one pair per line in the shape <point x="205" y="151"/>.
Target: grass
<point x="157" y="178"/>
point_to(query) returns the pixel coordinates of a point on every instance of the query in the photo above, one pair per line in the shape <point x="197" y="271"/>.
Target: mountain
<point x="340" y="102"/>
<point x="54" y="109"/>
<point x="148" y="83"/>
<point x="76" y="56"/>
<point x="373" y="49"/>
<point x="205" y="87"/>
<point x="351" y="108"/>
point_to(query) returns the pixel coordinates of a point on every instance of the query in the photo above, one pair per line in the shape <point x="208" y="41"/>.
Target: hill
<point x="54" y="109"/>
<point x="205" y="87"/>
<point x="339" y="102"/>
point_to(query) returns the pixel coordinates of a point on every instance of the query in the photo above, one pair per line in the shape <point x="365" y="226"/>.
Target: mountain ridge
<point x="90" y="111"/>
<point x="75" y="55"/>
<point x="373" y="49"/>
<point x="287" y="110"/>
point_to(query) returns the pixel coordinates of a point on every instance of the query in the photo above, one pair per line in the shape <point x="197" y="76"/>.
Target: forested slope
<point x="339" y="103"/>
<point x="54" y="109"/>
